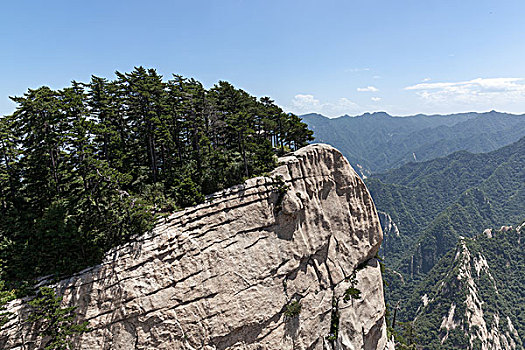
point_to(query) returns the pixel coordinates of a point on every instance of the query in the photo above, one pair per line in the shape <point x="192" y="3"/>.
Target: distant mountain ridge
<point x="376" y="142"/>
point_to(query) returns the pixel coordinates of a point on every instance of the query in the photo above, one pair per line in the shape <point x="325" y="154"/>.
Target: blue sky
<point x="331" y="57"/>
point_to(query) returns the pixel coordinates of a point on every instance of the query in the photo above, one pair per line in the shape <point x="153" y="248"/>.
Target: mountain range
<point x="376" y="142"/>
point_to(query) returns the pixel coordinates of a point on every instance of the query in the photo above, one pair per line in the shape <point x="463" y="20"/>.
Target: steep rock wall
<point x="221" y="274"/>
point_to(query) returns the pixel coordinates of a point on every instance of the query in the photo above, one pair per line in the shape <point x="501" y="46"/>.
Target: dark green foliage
<point x="405" y="336"/>
<point x="85" y="168"/>
<point x="5" y="297"/>
<point x="352" y="292"/>
<point x="293" y="309"/>
<point x="281" y="188"/>
<point x="377" y="142"/>
<point x="334" y="322"/>
<point x="54" y="323"/>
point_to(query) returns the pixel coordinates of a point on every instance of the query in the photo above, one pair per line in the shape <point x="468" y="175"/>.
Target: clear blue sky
<point x="333" y="57"/>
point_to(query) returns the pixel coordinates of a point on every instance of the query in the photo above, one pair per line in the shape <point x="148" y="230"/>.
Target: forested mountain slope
<point x="474" y="298"/>
<point x="377" y="142"/>
<point x="434" y="203"/>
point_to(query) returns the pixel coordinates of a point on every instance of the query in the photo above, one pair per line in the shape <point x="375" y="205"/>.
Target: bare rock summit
<point x="264" y="265"/>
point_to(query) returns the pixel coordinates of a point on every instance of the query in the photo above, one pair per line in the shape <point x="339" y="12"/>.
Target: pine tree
<point x="55" y="324"/>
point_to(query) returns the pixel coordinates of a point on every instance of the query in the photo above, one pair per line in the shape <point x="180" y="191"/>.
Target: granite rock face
<point x="222" y="275"/>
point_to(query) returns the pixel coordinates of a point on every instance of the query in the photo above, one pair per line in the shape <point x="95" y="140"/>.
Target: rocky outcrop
<point x="391" y="235"/>
<point x="388" y="225"/>
<point x="470" y="299"/>
<point x="221" y="275"/>
<point x="485" y="332"/>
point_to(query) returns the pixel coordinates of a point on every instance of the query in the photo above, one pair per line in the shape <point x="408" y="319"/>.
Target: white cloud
<point x="481" y="91"/>
<point x="376" y="99"/>
<point x="427" y="79"/>
<point x="344" y="103"/>
<point x="368" y="89"/>
<point x="306" y="103"/>
<point x="355" y="70"/>
<point x="482" y="83"/>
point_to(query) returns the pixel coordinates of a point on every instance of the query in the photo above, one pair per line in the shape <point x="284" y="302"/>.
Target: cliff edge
<point x="225" y="274"/>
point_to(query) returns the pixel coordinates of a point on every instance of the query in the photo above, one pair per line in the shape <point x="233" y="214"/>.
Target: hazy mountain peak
<point x="377" y="114"/>
<point x="313" y="115"/>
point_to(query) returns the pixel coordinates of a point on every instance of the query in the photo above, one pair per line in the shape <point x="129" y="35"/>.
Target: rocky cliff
<point x="222" y="275"/>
